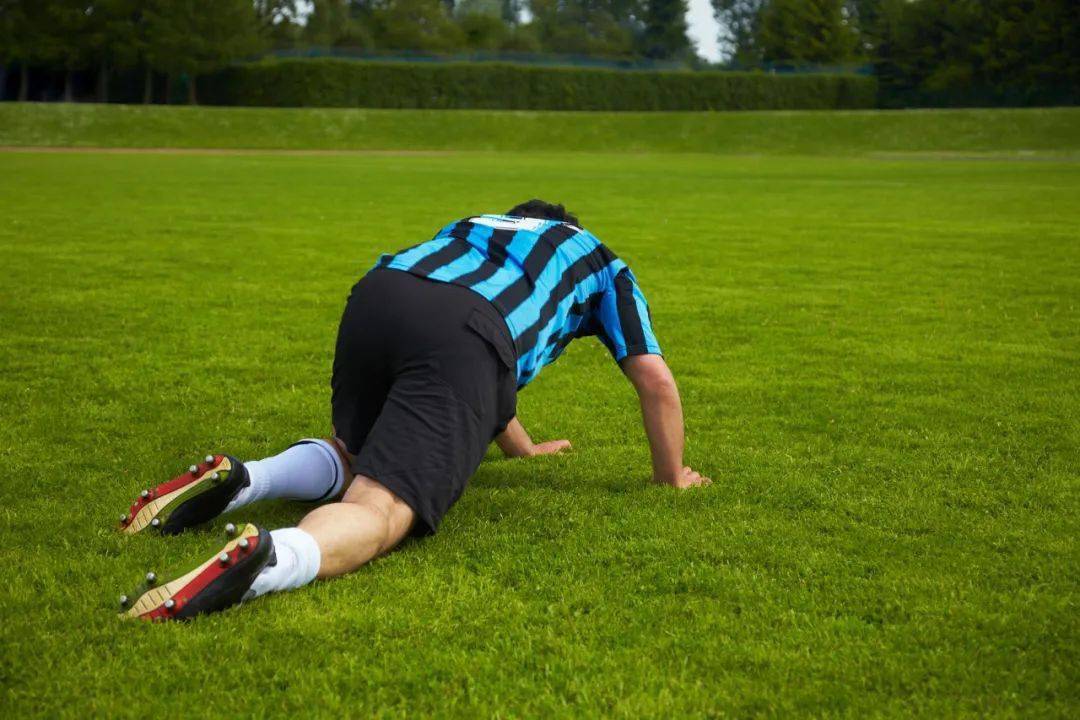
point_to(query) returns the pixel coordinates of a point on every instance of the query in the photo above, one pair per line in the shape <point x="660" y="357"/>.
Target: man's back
<point x="551" y="281"/>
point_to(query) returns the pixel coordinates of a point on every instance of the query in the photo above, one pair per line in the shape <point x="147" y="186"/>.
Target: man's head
<point x="542" y="210"/>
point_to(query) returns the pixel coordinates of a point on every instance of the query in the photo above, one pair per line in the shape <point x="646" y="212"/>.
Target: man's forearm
<point x="662" y="415"/>
<point x="514" y="441"/>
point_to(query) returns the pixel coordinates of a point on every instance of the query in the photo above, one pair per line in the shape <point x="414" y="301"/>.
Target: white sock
<point x="298" y="559"/>
<point x="309" y="470"/>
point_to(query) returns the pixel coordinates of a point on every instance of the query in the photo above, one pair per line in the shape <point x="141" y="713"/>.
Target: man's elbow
<point x="650" y="375"/>
<point x="658" y="385"/>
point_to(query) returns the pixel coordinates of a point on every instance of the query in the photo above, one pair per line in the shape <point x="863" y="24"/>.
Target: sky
<point x="703" y="29"/>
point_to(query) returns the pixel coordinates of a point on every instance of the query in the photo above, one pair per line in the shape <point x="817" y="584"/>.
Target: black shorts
<point x="424" y="379"/>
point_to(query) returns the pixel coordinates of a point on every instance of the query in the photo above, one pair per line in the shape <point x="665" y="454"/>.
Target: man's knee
<point x="387" y="513"/>
<point x="374" y="517"/>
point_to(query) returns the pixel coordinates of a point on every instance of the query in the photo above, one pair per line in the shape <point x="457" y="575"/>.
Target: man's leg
<point x="368" y="522"/>
<point x="333" y="540"/>
<point x="337" y="538"/>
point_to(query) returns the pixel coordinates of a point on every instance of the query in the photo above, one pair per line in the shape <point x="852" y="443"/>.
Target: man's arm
<point x="661" y="412"/>
<point x="515" y="442"/>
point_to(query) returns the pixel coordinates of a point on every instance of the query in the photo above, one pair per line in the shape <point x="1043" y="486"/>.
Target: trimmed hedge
<point x="327" y="82"/>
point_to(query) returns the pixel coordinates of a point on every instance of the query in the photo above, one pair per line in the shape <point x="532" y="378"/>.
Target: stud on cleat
<point x="209" y="459"/>
<point x="151" y="578"/>
<point x="123" y="601"/>
<point x="230" y="529"/>
<point x="169" y="604"/>
<point x="223" y="558"/>
<point x="144" y="494"/>
<point x="123" y="519"/>
<point x="243" y="544"/>
<point x="156" y="522"/>
<point x="193" y="469"/>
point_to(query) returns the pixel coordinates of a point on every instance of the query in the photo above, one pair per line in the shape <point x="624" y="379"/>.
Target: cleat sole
<point x="153" y="598"/>
<point x="160" y="507"/>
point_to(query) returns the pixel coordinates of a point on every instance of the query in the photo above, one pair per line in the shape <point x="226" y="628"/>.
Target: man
<point x="432" y="348"/>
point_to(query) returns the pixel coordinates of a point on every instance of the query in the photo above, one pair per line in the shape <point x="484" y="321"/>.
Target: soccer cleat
<point x="189" y="499"/>
<point x="215" y="585"/>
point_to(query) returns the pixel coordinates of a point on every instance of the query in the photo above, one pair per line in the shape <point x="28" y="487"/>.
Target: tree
<point x="67" y="37"/>
<point x="113" y="38"/>
<point x="194" y="37"/>
<point x="325" y="21"/>
<point x="805" y="31"/>
<point x="664" y="36"/>
<point x="415" y="25"/>
<point x="739" y="21"/>
<point x="511" y="11"/>
<point x="16" y="42"/>
<point x="866" y="17"/>
<point x="994" y="52"/>
<point x="481" y="24"/>
<point x="605" y="28"/>
<point x="279" y="20"/>
<point x="339" y="23"/>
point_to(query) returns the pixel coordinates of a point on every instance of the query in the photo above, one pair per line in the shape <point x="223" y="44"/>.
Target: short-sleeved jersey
<point x="551" y="281"/>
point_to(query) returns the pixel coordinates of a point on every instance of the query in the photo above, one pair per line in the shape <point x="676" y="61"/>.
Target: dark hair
<point x="543" y="210"/>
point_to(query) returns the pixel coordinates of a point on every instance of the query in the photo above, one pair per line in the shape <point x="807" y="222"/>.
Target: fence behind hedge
<point x="327" y="82"/>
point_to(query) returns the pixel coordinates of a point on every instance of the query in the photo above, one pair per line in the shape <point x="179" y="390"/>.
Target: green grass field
<point x="880" y="362"/>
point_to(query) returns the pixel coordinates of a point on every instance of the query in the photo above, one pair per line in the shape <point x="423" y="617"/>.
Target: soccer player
<point x="433" y="346"/>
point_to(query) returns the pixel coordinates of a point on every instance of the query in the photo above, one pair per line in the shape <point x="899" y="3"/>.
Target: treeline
<point x="923" y="52"/>
<point x="192" y="38"/>
<point x="614" y="29"/>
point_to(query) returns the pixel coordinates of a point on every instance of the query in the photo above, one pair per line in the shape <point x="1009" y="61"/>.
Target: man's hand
<point x="685" y="478"/>
<point x="551" y="447"/>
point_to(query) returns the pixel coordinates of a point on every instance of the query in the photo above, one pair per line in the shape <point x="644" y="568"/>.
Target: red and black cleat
<point x="195" y="497"/>
<point x="217" y="584"/>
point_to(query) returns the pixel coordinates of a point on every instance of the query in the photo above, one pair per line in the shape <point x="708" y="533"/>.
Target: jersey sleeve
<point x="625" y="324"/>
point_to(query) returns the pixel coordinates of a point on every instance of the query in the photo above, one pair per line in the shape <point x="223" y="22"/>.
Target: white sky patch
<point x="703" y="29"/>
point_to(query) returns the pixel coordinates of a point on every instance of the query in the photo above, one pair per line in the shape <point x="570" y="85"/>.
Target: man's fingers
<point x="692" y="478"/>
<point x="553" y="446"/>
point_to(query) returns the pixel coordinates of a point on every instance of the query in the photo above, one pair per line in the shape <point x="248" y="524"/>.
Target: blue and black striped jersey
<point x="551" y="281"/>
